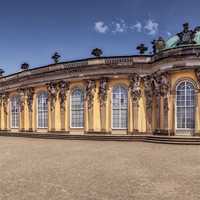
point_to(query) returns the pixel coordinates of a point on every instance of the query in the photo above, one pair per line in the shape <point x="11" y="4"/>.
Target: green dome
<point x="173" y="41"/>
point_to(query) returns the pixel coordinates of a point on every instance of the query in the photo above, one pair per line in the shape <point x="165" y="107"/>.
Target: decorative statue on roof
<point x="56" y="57"/>
<point x="158" y="45"/>
<point x="186" y="36"/>
<point x="142" y="49"/>
<point x="97" y="52"/>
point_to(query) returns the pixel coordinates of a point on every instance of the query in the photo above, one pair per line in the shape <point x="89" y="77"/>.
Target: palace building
<point x="155" y="93"/>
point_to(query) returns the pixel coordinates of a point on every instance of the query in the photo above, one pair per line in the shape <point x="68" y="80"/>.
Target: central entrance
<point x="185" y="108"/>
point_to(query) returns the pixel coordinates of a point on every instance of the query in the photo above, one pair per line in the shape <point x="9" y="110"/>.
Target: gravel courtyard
<point x="32" y="169"/>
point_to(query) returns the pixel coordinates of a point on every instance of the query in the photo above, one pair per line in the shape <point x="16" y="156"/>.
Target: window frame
<point x="184" y="106"/>
<point x="16" y="126"/>
<point x="71" y="110"/>
<point x="44" y="111"/>
<point x="112" y="101"/>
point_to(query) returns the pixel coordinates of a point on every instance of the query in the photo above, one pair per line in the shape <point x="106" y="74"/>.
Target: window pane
<point x="185" y="105"/>
<point x="119" y="107"/>
<point x="15" y="110"/>
<point x="43" y="110"/>
<point x="77" y="109"/>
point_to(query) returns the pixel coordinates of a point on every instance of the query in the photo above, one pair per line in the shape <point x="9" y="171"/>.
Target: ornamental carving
<point x="63" y="88"/>
<point x="156" y="83"/>
<point x="30" y="94"/>
<point x="90" y="92"/>
<point x="135" y="89"/>
<point x="186" y="36"/>
<point x="103" y="89"/>
<point x="148" y="91"/>
<point x="52" y="94"/>
<point x="164" y="84"/>
<point x="158" y="45"/>
<point x="22" y="98"/>
<point x="197" y="71"/>
<point x="5" y="97"/>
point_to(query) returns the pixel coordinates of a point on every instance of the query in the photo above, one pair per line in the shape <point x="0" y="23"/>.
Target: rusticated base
<point x="97" y="132"/>
<point x="162" y="132"/>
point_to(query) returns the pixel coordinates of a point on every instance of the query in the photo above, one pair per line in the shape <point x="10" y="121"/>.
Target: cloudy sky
<point x="32" y="30"/>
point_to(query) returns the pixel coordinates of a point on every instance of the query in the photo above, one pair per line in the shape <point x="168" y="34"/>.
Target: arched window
<point x="42" y="110"/>
<point x="77" y="108"/>
<point x="185" y="105"/>
<point x="15" y="111"/>
<point x="119" y="107"/>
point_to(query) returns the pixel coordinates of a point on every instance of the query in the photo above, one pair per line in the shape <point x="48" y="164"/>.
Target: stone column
<point x="197" y="116"/>
<point x="5" y="98"/>
<point x="158" y="104"/>
<point x="1" y="101"/>
<point x="197" y="107"/>
<point x="63" y="90"/>
<point x="103" y="89"/>
<point x="135" y="91"/>
<point x="148" y="91"/>
<point x="22" y="108"/>
<point x="90" y="92"/>
<point x="30" y="94"/>
<point x="156" y="84"/>
<point x="52" y="97"/>
<point x="164" y="91"/>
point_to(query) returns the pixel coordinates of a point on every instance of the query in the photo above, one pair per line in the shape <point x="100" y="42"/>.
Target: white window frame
<point x="72" y="127"/>
<point x="118" y="128"/>
<point x="176" y="124"/>
<point x="16" y="126"/>
<point x="47" y="112"/>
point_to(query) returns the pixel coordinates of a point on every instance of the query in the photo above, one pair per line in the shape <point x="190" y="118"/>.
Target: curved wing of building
<point x="140" y="94"/>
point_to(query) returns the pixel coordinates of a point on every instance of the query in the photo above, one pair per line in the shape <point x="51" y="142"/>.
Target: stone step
<point x="100" y="137"/>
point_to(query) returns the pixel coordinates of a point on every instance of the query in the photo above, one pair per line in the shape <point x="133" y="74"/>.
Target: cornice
<point x="101" y="67"/>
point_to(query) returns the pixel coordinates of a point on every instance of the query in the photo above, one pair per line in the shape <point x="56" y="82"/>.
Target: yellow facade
<point x="141" y="94"/>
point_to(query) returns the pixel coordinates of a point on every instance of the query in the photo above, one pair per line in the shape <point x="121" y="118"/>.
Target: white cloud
<point x="119" y="27"/>
<point x="101" y="27"/>
<point x="151" y="27"/>
<point x="137" y="26"/>
<point x="169" y="34"/>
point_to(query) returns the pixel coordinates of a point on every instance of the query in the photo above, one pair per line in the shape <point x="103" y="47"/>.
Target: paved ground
<point x="33" y="169"/>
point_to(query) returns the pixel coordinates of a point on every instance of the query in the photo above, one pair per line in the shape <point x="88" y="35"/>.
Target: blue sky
<point x="31" y="31"/>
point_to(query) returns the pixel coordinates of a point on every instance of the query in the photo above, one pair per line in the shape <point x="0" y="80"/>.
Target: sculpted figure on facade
<point x="135" y="88"/>
<point x="52" y="94"/>
<point x="22" y="98"/>
<point x="103" y="90"/>
<point x="5" y="97"/>
<point x="165" y="88"/>
<point x="63" y="88"/>
<point x="148" y="91"/>
<point x="156" y="83"/>
<point x="30" y="94"/>
<point x="197" y="71"/>
<point x="90" y="92"/>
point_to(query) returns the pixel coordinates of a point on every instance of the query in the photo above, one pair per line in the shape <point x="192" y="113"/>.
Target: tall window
<point x="77" y="109"/>
<point x="119" y="107"/>
<point x="15" y="111"/>
<point x="185" y="105"/>
<point x="42" y="109"/>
